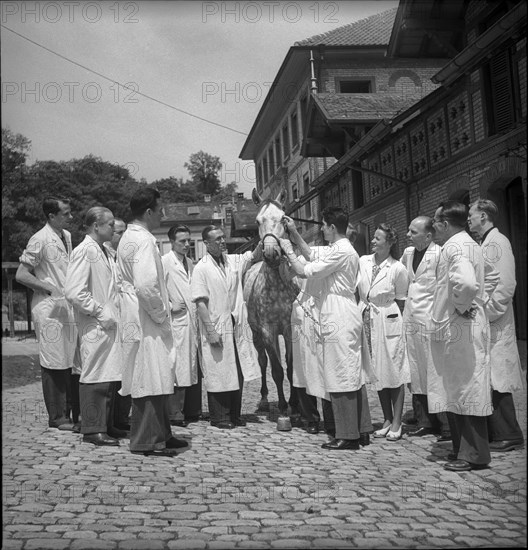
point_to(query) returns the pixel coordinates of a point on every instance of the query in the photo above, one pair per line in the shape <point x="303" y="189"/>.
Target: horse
<point x="269" y="294"/>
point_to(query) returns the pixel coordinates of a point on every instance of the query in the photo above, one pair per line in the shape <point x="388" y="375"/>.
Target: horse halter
<point x="278" y="242"/>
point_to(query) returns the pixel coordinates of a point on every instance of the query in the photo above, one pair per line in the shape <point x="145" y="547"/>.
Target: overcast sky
<point x="189" y="55"/>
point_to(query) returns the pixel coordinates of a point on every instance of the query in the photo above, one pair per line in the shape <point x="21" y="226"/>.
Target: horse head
<point x="269" y="219"/>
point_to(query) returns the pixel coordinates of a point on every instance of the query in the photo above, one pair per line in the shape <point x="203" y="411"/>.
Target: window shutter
<point x="501" y="91"/>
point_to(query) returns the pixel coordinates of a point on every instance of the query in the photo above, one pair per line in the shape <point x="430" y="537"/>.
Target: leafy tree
<point x="176" y="190"/>
<point x="227" y="192"/>
<point x="204" y="169"/>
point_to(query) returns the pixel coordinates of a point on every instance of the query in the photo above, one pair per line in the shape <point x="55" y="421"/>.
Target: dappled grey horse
<point x="269" y="294"/>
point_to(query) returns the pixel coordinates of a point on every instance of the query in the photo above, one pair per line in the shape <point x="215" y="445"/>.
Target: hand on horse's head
<point x="289" y="225"/>
<point x="286" y="245"/>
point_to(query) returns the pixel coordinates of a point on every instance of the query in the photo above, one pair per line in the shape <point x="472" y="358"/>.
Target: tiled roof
<point x="362" y="106"/>
<point x="372" y="31"/>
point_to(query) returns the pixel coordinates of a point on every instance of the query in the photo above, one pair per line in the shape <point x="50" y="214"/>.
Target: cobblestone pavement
<point x="252" y="487"/>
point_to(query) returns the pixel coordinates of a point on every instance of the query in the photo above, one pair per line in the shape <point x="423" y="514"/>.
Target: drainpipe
<point x="313" y="87"/>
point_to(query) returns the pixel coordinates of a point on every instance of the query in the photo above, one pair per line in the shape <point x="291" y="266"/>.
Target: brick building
<point x="464" y="140"/>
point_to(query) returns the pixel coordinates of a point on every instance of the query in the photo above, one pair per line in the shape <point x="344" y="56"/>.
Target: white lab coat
<point x="90" y="285"/>
<point x="53" y="318"/>
<point x="346" y="364"/>
<point x="152" y="372"/>
<point x="417" y="315"/>
<point x="459" y="345"/>
<point x="222" y="291"/>
<point x="389" y="357"/>
<point x="128" y="311"/>
<point x="184" y="329"/>
<point x="506" y="373"/>
<point x="307" y="345"/>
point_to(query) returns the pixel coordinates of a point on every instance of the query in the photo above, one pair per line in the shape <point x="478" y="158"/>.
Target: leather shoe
<point x="173" y="443"/>
<point x="312" y="428"/>
<point x="180" y="423"/>
<point x="420" y="432"/>
<point x="66" y="427"/>
<point x="342" y="444"/>
<point x="115" y="433"/>
<point x="507" y="445"/>
<point x="463" y="466"/>
<point x="364" y="439"/>
<point x="444" y="437"/>
<point x="100" y="439"/>
<point x="156" y="452"/>
<point x="452" y="457"/>
<point x="77" y="428"/>
<point x="223" y="425"/>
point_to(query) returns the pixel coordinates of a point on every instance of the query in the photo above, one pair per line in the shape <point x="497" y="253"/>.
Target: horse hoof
<point x="284" y="424"/>
<point x="263" y="405"/>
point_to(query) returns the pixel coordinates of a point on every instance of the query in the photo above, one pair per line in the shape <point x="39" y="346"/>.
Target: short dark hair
<point x="143" y="199"/>
<point x="207" y="230"/>
<point x="177" y="229"/>
<point x="454" y="212"/>
<point x="50" y="205"/>
<point x="488" y="207"/>
<point x="335" y="215"/>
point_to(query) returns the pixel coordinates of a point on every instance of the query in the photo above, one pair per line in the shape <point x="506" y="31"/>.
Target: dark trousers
<point x="227" y="406"/>
<point x="122" y="405"/>
<point x="56" y="387"/>
<point x="425" y="419"/>
<point x="150" y="425"/>
<point x="351" y="413"/>
<point x="97" y="407"/>
<point x="192" y="407"/>
<point x="470" y="438"/>
<point x="75" y="403"/>
<point x="176" y="401"/>
<point x="502" y="424"/>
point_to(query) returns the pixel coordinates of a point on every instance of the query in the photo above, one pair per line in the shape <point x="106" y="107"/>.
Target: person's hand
<point x="54" y="292"/>
<point x="104" y="319"/>
<point x="213" y="338"/>
<point x="289" y="225"/>
<point x="470" y="313"/>
<point x="286" y="246"/>
<point x="178" y="306"/>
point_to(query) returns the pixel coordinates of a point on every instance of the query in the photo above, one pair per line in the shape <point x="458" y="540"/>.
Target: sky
<point x="214" y="60"/>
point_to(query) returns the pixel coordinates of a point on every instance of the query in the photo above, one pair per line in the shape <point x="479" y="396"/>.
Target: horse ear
<point x="257" y="199"/>
<point x="281" y="197"/>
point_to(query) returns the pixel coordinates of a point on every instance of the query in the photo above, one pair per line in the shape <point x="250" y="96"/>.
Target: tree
<point x="176" y="190"/>
<point x="227" y="192"/>
<point x="204" y="169"/>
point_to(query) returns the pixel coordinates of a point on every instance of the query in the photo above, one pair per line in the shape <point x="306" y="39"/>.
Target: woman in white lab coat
<point x="382" y="291"/>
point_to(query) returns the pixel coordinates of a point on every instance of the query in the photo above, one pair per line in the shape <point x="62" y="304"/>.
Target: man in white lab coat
<point x="421" y="261"/>
<point x="346" y="365"/>
<point x="460" y="329"/>
<point x="91" y="289"/>
<point x="178" y="270"/>
<point x="126" y="293"/>
<point x="506" y="374"/>
<point x="150" y="378"/>
<point x="227" y="352"/>
<point x="42" y="268"/>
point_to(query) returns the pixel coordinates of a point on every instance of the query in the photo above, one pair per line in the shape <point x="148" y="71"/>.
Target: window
<point x="294" y="129"/>
<point x="295" y="191"/>
<point x="304" y="112"/>
<point x="354" y="86"/>
<point x="358" y="199"/>
<point x="285" y="141"/>
<point x="260" y="179"/>
<point x="192" y="251"/>
<point x="278" y="151"/>
<point x="500" y="90"/>
<point x="271" y="161"/>
<point x="265" y="166"/>
<point x="306" y="186"/>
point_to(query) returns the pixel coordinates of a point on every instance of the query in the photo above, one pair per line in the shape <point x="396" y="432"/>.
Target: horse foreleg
<point x="294" y="395"/>
<point x="277" y="372"/>
<point x="263" y="364"/>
